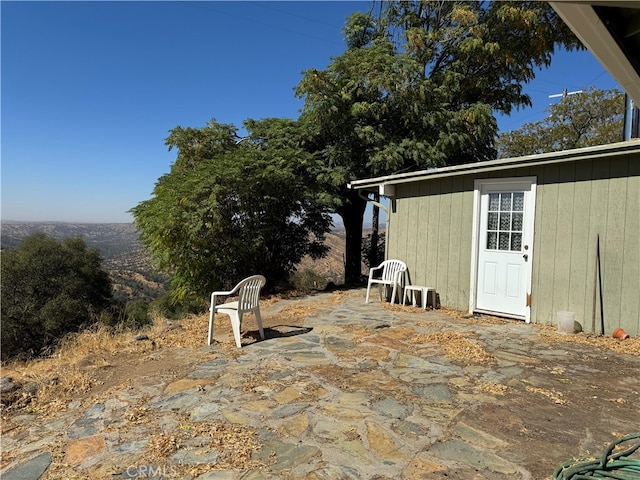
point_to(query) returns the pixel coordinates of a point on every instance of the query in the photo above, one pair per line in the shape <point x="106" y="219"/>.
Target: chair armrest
<point x="219" y="294"/>
<point x="371" y="270"/>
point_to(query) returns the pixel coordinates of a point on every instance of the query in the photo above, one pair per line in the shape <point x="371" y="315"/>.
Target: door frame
<point x="529" y="219"/>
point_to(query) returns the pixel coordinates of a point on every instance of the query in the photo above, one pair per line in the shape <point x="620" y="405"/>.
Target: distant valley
<point x="127" y="261"/>
<point x="123" y="255"/>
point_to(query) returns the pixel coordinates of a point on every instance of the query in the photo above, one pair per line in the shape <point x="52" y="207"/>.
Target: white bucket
<point x="566" y="321"/>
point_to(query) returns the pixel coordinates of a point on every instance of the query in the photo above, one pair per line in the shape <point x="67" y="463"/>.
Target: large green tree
<point x="592" y="117"/>
<point x="231" y="207"/>
<point x="417" y="87"/>
<point x="49" y="288"/>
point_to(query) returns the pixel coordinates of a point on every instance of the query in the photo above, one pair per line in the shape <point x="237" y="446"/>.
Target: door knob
<point x="525" y="256"/>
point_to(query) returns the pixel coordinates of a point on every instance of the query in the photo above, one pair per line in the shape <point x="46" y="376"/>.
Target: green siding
<point x="630" y="290"/>
<point x="438" y="217"/>
<point x="582" y="265"/>
<point x="431" y="229"/>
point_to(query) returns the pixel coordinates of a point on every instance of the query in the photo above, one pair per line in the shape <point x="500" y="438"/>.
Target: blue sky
<point x="90" y="90"/>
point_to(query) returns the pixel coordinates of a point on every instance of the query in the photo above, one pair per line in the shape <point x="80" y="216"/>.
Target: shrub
<point x="49" y="288"/>
<point x="307" y="280"/>
<point x="167" y="306"/>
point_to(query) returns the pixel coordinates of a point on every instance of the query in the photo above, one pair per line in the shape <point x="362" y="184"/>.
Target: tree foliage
<point x="232" y="207"/>
<point x="593" y="117"/>
<point x="417" y="87"/>
<point x="49" y="288"/>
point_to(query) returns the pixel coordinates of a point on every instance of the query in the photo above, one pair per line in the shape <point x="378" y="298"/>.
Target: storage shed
<point x="525" y="237"/>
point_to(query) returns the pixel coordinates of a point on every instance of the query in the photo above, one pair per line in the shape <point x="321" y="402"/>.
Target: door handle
<point x="526" y="257"/>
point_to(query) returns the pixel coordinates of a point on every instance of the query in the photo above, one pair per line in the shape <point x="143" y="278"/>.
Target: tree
<point x="593" y="117"/>
<point x="49" y="288"/>
<point x="417" y="87"/>
<point x="232" y="207"/>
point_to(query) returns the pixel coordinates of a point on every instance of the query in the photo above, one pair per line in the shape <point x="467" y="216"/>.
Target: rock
<point x="80" y="449"/>
<point x="7" y="385"/>
<point x="31" y="469"/>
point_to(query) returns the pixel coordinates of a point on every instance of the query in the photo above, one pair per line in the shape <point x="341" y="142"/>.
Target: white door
<point x="505" y="246"/>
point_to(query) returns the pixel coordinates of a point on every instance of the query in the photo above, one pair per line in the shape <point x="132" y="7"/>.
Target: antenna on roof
<point x="564" y="94"/>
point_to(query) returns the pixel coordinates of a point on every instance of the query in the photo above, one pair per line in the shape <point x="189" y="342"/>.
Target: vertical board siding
<point x="466" y="219"/>
<point x="424" y="223"/>
<point x="597" y="208"/>
<point x="413" y="223"/>
<point x="432" y="246"/>
<point x="456" y="228"/>
<point x="580" y="287"/>
<point x="630" y="291"/>
<point x="563" y="232"/>
<point x="545" y="242"/>
<point x="431" y="230"/>
<point x="614" y="244"/>
<point x="439" y="255"/>
<point x="444" y="237"/>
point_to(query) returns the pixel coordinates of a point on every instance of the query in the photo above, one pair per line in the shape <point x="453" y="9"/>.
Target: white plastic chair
<point x="392" y="275"/>
<point x="248" y="291"/>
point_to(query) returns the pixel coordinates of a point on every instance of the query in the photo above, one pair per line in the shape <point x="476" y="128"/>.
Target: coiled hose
<point x="619" y="465"/>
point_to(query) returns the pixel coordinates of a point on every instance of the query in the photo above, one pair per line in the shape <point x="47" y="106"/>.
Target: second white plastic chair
<point x="248" y="291"/>
<point x="392" y="275"/>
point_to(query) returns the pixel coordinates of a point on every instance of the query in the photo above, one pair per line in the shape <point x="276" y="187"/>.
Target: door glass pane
<point x="505" y="202"/>
<point x="518" y="201"/>
<point x="492" y="224"/>
<point x="503" y="242"/>
<point x="516" y="241"/>
<point x="494" y="202"/>
<point x="516" y="222"/>
<point x="505" y="221"/>
<point x="492" y="242"/>
<point x="505" y="217"/>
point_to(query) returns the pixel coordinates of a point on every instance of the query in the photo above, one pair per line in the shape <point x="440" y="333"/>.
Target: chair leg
<point x="393" y="293"/>
<point x="366" y="300"/>
<point x="259" y="322"/>
<point x="210" y="337"/>
<point x="236" y="320"/>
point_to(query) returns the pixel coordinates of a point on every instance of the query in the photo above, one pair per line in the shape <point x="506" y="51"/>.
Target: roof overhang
<point x="579" y="154"/>
<point x="611" y="32"/>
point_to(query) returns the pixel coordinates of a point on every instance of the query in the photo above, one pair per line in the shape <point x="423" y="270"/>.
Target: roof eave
<point x="586" y="153"/>
<point x="585" y="23"/>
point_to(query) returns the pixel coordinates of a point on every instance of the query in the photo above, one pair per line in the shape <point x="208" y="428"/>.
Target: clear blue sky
<point x="90" y="90"/>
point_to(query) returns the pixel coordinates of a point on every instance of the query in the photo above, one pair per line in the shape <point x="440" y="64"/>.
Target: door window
<point x="504" y="221"/>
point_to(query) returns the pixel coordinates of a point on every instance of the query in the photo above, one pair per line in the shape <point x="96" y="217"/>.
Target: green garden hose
<point x="619" y="465"/>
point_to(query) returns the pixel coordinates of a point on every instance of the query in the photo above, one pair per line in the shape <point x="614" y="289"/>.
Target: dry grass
<point x="234" y="445"/>
<point x="160" y="446"/>
<point x="74" y="369"/>
<point x="394" y="307"/>
<point x="493" y="388"/>
<point x="553" y="395"/>
<point x="456" y="346"/>
<point x="630" y="346"/>
<point x="79" y="363"/>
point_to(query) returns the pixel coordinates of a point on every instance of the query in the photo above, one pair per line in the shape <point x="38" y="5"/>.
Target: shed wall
<point x="430" y="228"/>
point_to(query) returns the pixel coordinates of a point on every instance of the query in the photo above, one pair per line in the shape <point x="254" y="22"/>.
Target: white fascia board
<point x="586" y="153"/>
<point x="587" y="26"/>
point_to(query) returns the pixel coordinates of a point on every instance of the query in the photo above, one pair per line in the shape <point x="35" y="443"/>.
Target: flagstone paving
<point x="358" y="392"/>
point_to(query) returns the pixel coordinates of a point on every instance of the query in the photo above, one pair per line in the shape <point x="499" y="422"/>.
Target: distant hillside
<point x="129" y="265"/>
<point x="124" y="256"/>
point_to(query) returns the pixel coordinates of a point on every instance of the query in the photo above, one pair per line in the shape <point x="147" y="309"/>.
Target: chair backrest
<point x="392" y="269"/>
<point x="249" y="292"/>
